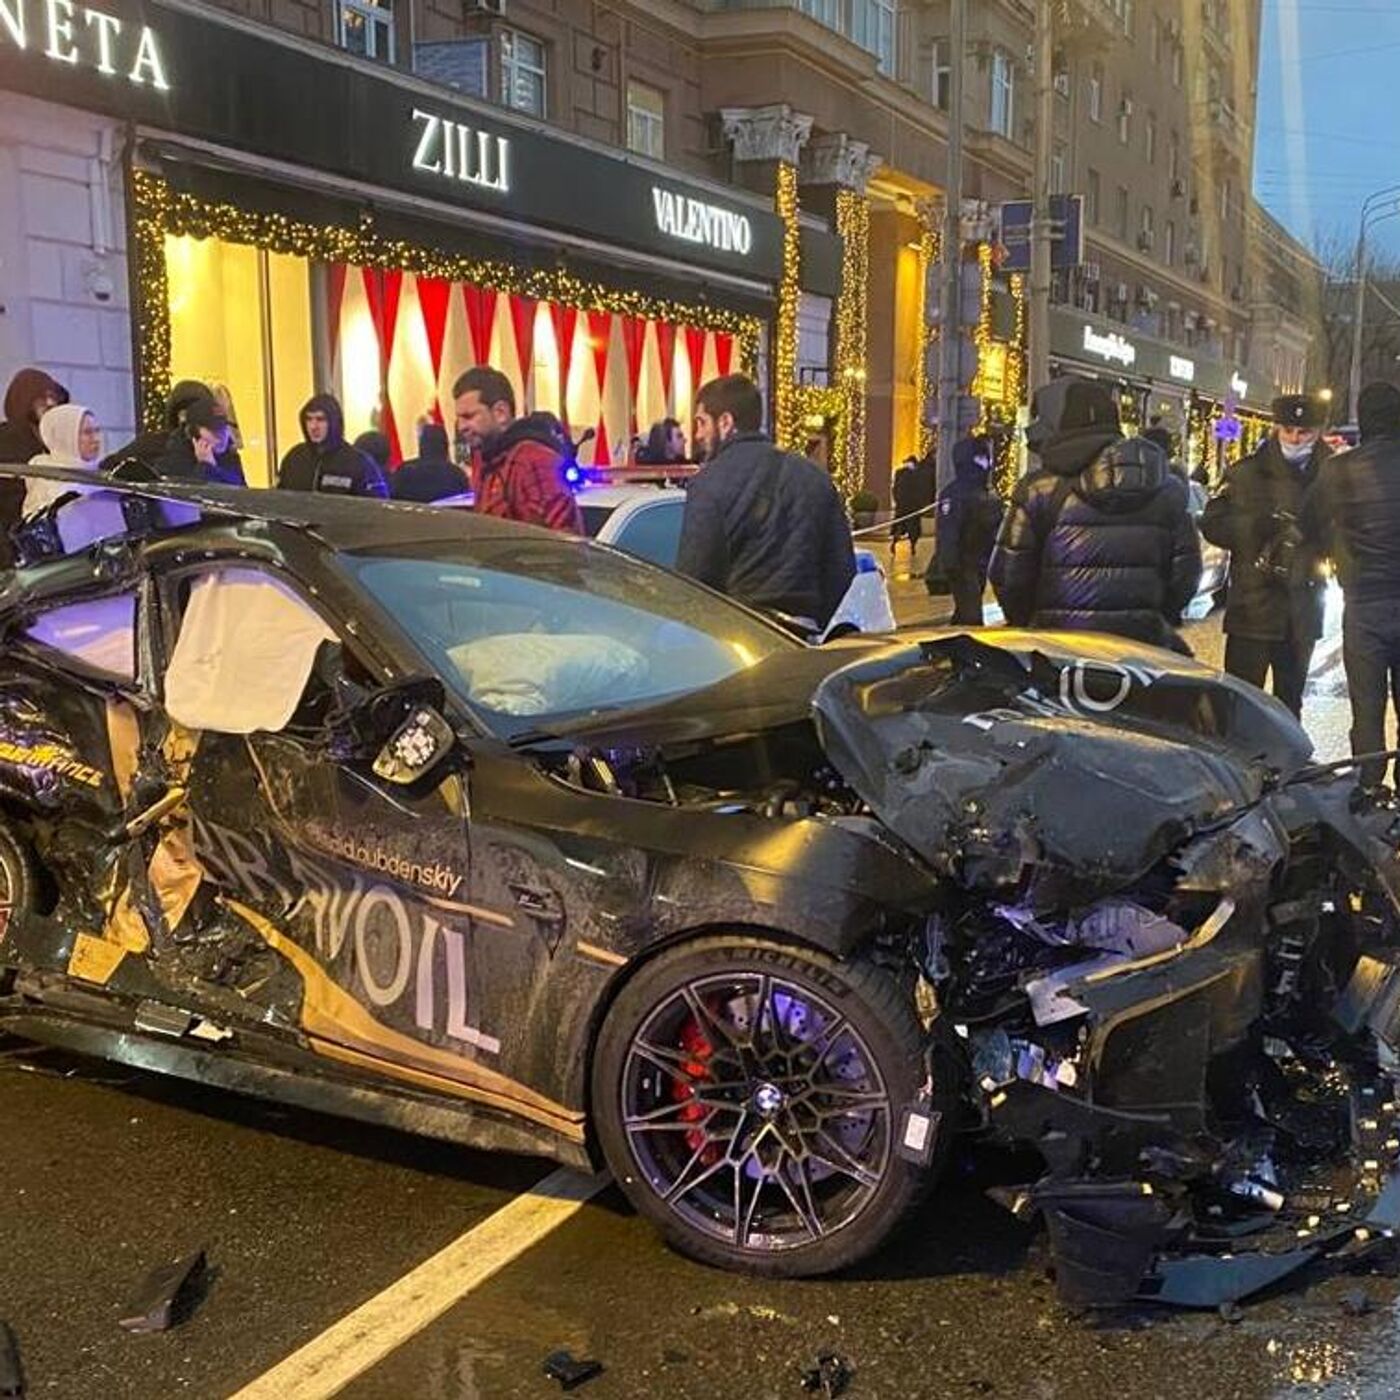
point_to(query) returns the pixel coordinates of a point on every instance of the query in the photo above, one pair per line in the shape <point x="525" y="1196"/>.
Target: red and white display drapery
<point x="399" y="341"/>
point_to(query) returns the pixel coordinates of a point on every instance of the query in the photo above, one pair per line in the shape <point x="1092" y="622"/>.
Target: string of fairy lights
<point x="800" y="411"/>
<point x="787" y="426"/>
<point x="161" y="210"/>
<point x="853" y="225"/>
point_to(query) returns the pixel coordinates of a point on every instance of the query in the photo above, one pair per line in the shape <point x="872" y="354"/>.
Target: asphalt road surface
<point x="405" y="1268"/>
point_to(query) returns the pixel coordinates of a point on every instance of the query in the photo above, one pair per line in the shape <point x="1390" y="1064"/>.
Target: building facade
<point x="649" y="132"/>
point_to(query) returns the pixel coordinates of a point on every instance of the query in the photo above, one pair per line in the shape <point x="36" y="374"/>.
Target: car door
<point x="651" y="531"/>
<point x="71" y="704"/>
<point x="344" y="900"/>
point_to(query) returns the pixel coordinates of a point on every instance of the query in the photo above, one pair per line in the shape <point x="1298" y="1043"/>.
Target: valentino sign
<point x="77" y="34"/>
<point x="461" y="153"/>
<point x="694" y="221"/>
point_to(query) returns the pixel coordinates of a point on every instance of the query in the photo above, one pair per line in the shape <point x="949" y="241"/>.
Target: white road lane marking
<point x="361" y="1339"/>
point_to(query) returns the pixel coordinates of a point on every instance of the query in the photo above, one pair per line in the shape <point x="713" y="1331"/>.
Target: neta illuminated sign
<point x="77" y="34"/>
<point x="458" y="152"/>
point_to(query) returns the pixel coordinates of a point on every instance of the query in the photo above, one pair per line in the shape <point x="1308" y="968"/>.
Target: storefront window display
<point x="277" y="309"/>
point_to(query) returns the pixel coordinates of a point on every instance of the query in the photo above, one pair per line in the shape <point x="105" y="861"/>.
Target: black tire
<point x="18" y="888"/>
<point x="845" y="1035"/>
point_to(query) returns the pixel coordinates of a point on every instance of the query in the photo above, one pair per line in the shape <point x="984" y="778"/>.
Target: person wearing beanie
<point x="201" y="448"/>
<point x="1274" y="609"/>
<point x="1099" y="539"/>
<point x="432" y="474"/>
<point x="1354" y="510"/>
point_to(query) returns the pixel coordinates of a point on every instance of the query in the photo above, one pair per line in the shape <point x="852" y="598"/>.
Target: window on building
<point x="366" y="27"/>
<point x="1169" y="243"/>
<point x="1174" y="158"/>
<point x="1154" y="47"/>
<point x="646" y="120"/>
<point x="522" y="72"/>
<point x="1096" y="93"/>
<point x="1227" y="201"/>
<point x="1128" y="19"/>
<point x="1057" y="171"/>
<point x="942" y="92"/>
<point x="827" y="12"/>
<point x="1092" y="197"/>
<point x="1125" y="117"/>
<point x="1120" y="219"/>
<point x="1147" y="229"/>
<point x="872" y="27"/>
<point x="1150" y="140"/>
<point x="1176" y="65"/>
<point x="1003" y="93"/>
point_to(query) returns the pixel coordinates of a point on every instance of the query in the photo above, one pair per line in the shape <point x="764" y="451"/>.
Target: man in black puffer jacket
<point x="762" y="525"/>
<point x="1100" y="539"/>
<point x="1354" y="512"/>
<point x="1274" y="610"/>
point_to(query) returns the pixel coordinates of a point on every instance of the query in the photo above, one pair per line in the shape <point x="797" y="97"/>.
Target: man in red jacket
<point x="519" y="470"/>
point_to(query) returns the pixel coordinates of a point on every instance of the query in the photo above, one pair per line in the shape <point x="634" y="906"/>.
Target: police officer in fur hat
<point x="1273" y="615"/>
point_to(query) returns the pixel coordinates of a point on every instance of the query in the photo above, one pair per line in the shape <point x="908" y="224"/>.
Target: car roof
<point x="341" y="522"/>
<point x="615" y="496"/>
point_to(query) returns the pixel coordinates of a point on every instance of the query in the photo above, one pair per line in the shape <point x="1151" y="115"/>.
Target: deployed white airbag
<point x="244" y="654"/>
<point x="534" y="673"/>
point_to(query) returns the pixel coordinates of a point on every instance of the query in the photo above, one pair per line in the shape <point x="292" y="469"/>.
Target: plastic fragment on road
<point x="829" y="1377"/>
<point x="1211" y="1281"/>
<point x="167" y="1295"/>
<point x="11" y="1368"/>
<point x="570" y="1371"/>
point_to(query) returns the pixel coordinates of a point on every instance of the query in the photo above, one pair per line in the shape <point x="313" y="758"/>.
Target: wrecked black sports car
<point x="511" y="839"/>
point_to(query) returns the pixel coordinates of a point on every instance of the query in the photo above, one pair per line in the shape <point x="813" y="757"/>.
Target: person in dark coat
<point x="201" y="448"/>
<point x="432" y="474"/>
<point x="374" y="445"/>
<point x="966" y="520"/>
<point x="325" y="461"/>
<point x="1100" y="538"/>
<point x="911" y="494"/>
<point x="765" y="526"/>
<point x="1353" y="510"/>
<point x="30" y="394"/>
<point x="1274" y="610"/>
<point x="171" y="443"/>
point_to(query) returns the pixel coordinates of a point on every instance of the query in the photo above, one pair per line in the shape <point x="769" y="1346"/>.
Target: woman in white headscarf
<point x="74" y="441"/>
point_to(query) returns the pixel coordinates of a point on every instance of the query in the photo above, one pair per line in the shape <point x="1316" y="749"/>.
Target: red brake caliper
<point x="699" y="1050"/>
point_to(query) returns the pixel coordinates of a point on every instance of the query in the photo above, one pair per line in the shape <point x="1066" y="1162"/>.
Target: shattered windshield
<point x="527" y="630"/>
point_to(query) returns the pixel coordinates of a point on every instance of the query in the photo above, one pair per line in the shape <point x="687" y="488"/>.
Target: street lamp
<point x="1380" y="213"/>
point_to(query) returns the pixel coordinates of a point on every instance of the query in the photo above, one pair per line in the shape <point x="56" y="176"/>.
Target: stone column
<point x="837" y="161"/>
<point x="775" y="136"/>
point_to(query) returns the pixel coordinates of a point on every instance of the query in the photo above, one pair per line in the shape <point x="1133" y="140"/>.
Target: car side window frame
<point x="647" y="507"/>
<point x="169" y="586"/>
<point x="70" y="664"/>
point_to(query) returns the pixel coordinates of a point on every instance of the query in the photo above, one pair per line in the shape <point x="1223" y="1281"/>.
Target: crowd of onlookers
<point x="1101" y="535"/>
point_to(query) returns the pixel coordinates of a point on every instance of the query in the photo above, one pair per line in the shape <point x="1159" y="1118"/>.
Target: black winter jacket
<point x="332" y="466"/>
<point x="1120" y="554"/>
<point x="967" y="518"/>
<point x="1276" y="591"/>
<point x="1353" y="511"/>
<point x="425" y="479"/>
<point x="767" y="527"/>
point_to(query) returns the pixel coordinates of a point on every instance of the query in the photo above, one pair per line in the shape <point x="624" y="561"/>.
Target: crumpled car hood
<point x="990" y="754"/>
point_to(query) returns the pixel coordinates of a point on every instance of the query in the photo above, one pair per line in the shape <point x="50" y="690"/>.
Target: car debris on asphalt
<point x="11" y="1366"/>
<point x="830" y="1377"/>
<point x="570" y="1371"/>
<point x="167" y="1295"/>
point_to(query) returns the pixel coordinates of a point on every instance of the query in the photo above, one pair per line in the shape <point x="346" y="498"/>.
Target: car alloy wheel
<point x="756" y="1111"/>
